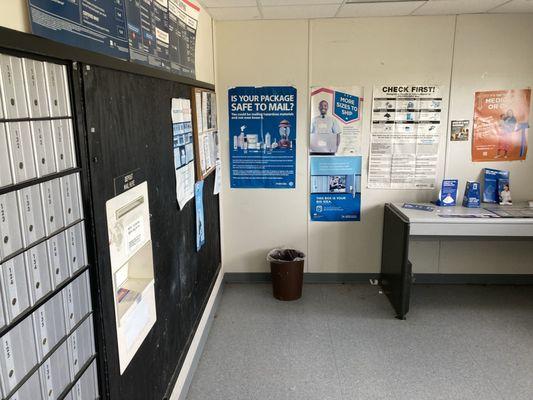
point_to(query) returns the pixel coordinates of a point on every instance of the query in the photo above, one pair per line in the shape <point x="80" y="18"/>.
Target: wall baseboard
<point x="449" y="279"/>
<point x="309" y="277"/>
<point x="183" y="383"/>
<point x="474" y="279"/>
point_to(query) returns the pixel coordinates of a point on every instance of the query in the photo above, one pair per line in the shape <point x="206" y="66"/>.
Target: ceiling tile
<point x="515" y="6"/>
<point x="379" y="9"/>
<point x="234" y="13"/>
<point x="450" y="7"/>
<point x="228" y="3"/>
<point x="268" y="3"/>
<point x="300" y="12"/>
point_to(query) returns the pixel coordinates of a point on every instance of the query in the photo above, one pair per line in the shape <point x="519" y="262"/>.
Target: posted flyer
<point x="501" y="124"/>
<point x="405" y="136"/>
<point x="335" y="188"/>
<point x="183" y="150"/>
<point x="262" y="131"/>
<point x="336" y="121"/>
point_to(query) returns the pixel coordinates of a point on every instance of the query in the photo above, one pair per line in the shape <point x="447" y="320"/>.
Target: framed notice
<point x="205" y="131"/>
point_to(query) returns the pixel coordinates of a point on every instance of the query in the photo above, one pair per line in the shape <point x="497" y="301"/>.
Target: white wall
<point x="14" y="15"/>
<point x="462" y="53"/>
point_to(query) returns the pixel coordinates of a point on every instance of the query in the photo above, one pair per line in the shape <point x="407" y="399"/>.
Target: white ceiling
<point x="306" y="9"/>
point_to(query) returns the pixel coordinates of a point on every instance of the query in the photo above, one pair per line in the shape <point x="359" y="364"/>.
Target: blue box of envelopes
<point x="471" y="198"/>
<point x="448" y="193"/>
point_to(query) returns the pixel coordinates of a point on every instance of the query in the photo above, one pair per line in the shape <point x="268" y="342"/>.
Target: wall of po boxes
<point x="46" y="327"/>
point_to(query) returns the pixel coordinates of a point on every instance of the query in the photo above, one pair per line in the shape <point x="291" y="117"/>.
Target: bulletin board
<point x="205" y="131"/>
<point x="129" y="133"/>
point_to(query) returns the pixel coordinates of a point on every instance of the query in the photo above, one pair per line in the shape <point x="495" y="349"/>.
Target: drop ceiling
<point x="307" y="9"/>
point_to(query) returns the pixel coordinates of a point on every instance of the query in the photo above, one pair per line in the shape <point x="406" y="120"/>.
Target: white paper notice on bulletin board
<point x="405" y="136"/>
<point x="132" y="267"/>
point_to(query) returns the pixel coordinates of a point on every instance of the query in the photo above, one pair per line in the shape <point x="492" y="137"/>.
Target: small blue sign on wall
<point x="346" y="106"/>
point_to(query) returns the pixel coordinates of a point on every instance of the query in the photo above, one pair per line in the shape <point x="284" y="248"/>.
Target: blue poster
<point x="262" y="132"/>
<point x="335" y="188"/>
<point x="200" y="223"/>
<point x="96" y="25"/>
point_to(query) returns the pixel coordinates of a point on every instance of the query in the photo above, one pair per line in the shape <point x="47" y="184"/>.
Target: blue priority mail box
<point x="490" y="188"/>
<point x="448" y="193"/>
<point x="471" y="198"/>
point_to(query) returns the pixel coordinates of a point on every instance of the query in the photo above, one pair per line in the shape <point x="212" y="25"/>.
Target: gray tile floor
<point x="341" y="342"/>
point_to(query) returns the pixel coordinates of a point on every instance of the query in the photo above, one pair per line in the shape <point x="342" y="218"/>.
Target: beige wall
<point x="462" y="53"/>
<point x="14" y="15"/>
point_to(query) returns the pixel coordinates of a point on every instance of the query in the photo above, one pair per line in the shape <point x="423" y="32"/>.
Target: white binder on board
<point x="13" y="90"/>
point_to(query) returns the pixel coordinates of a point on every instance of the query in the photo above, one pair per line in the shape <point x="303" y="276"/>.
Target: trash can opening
<point x="285" y="255"/>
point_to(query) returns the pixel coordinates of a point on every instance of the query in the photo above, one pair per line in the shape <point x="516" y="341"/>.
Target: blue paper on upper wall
<point x="95" y="25"/>
<point x="335" y="188"/>
<point x="200" y="221"/>
<point x="262" y="133"/>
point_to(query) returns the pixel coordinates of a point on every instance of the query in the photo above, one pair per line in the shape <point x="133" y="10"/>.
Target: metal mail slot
<point x="62" y="90"/>
<point x="13" y="92"/>
<point x="15" y="287"/>
<point x="38" y="272"/>
<point x="54" y="376"/>
<point x="10" y="229"/>
<point x="35" y="88"/>
<point x="17" y="355"/>
<point x="58" y="259"/>
<point x="43" y="144"/>
<point x="71" y="198"/>
<point x="49" y="324"/>
<point x="31" y="212"/>
<point x="6" y="177"/>
<point x="81" y="345"/>
<point x="30" y="390"/>
<point x="53" y="206"/>
<point x="63" y="144"/>
<point x="21" y="151"/>
<point x="50" y="73"/>
<point x="77" y="251"/>
<point x="87" y="386"/>
<point x="77" y="300"/>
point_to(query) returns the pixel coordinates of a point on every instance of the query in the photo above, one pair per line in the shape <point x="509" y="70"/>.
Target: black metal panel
<point x="396" y="270"/>
<point x="128" y="127"/>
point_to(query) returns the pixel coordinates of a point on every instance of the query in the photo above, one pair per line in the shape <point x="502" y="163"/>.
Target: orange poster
<point x="501" y="122"/>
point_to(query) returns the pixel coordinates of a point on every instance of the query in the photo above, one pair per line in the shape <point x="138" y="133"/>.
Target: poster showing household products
<point x="335" y="188"/>
<point x="336" y="120"/>
<point x="501" y="124"/>
<point x="132" y="268"/>
<point x="405" y="136"/>
<point x="157" y="33"/>
<point x="183" y="150"/>
<point x="262" y="126"/>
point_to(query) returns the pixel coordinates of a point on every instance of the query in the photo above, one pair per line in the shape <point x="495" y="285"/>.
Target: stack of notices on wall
<point x="46" y="328"/>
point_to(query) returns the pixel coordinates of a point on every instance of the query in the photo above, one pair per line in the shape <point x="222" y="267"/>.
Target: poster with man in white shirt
<point x="335" y="127"/>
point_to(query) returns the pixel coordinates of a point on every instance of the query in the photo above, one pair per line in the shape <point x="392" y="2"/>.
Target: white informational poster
<point x="132" y="267"/>
<point x="207" y="133"/>
<point x="336" y="121"/>
<point x="405" y="136"/>
<point x="183" y="150"/>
